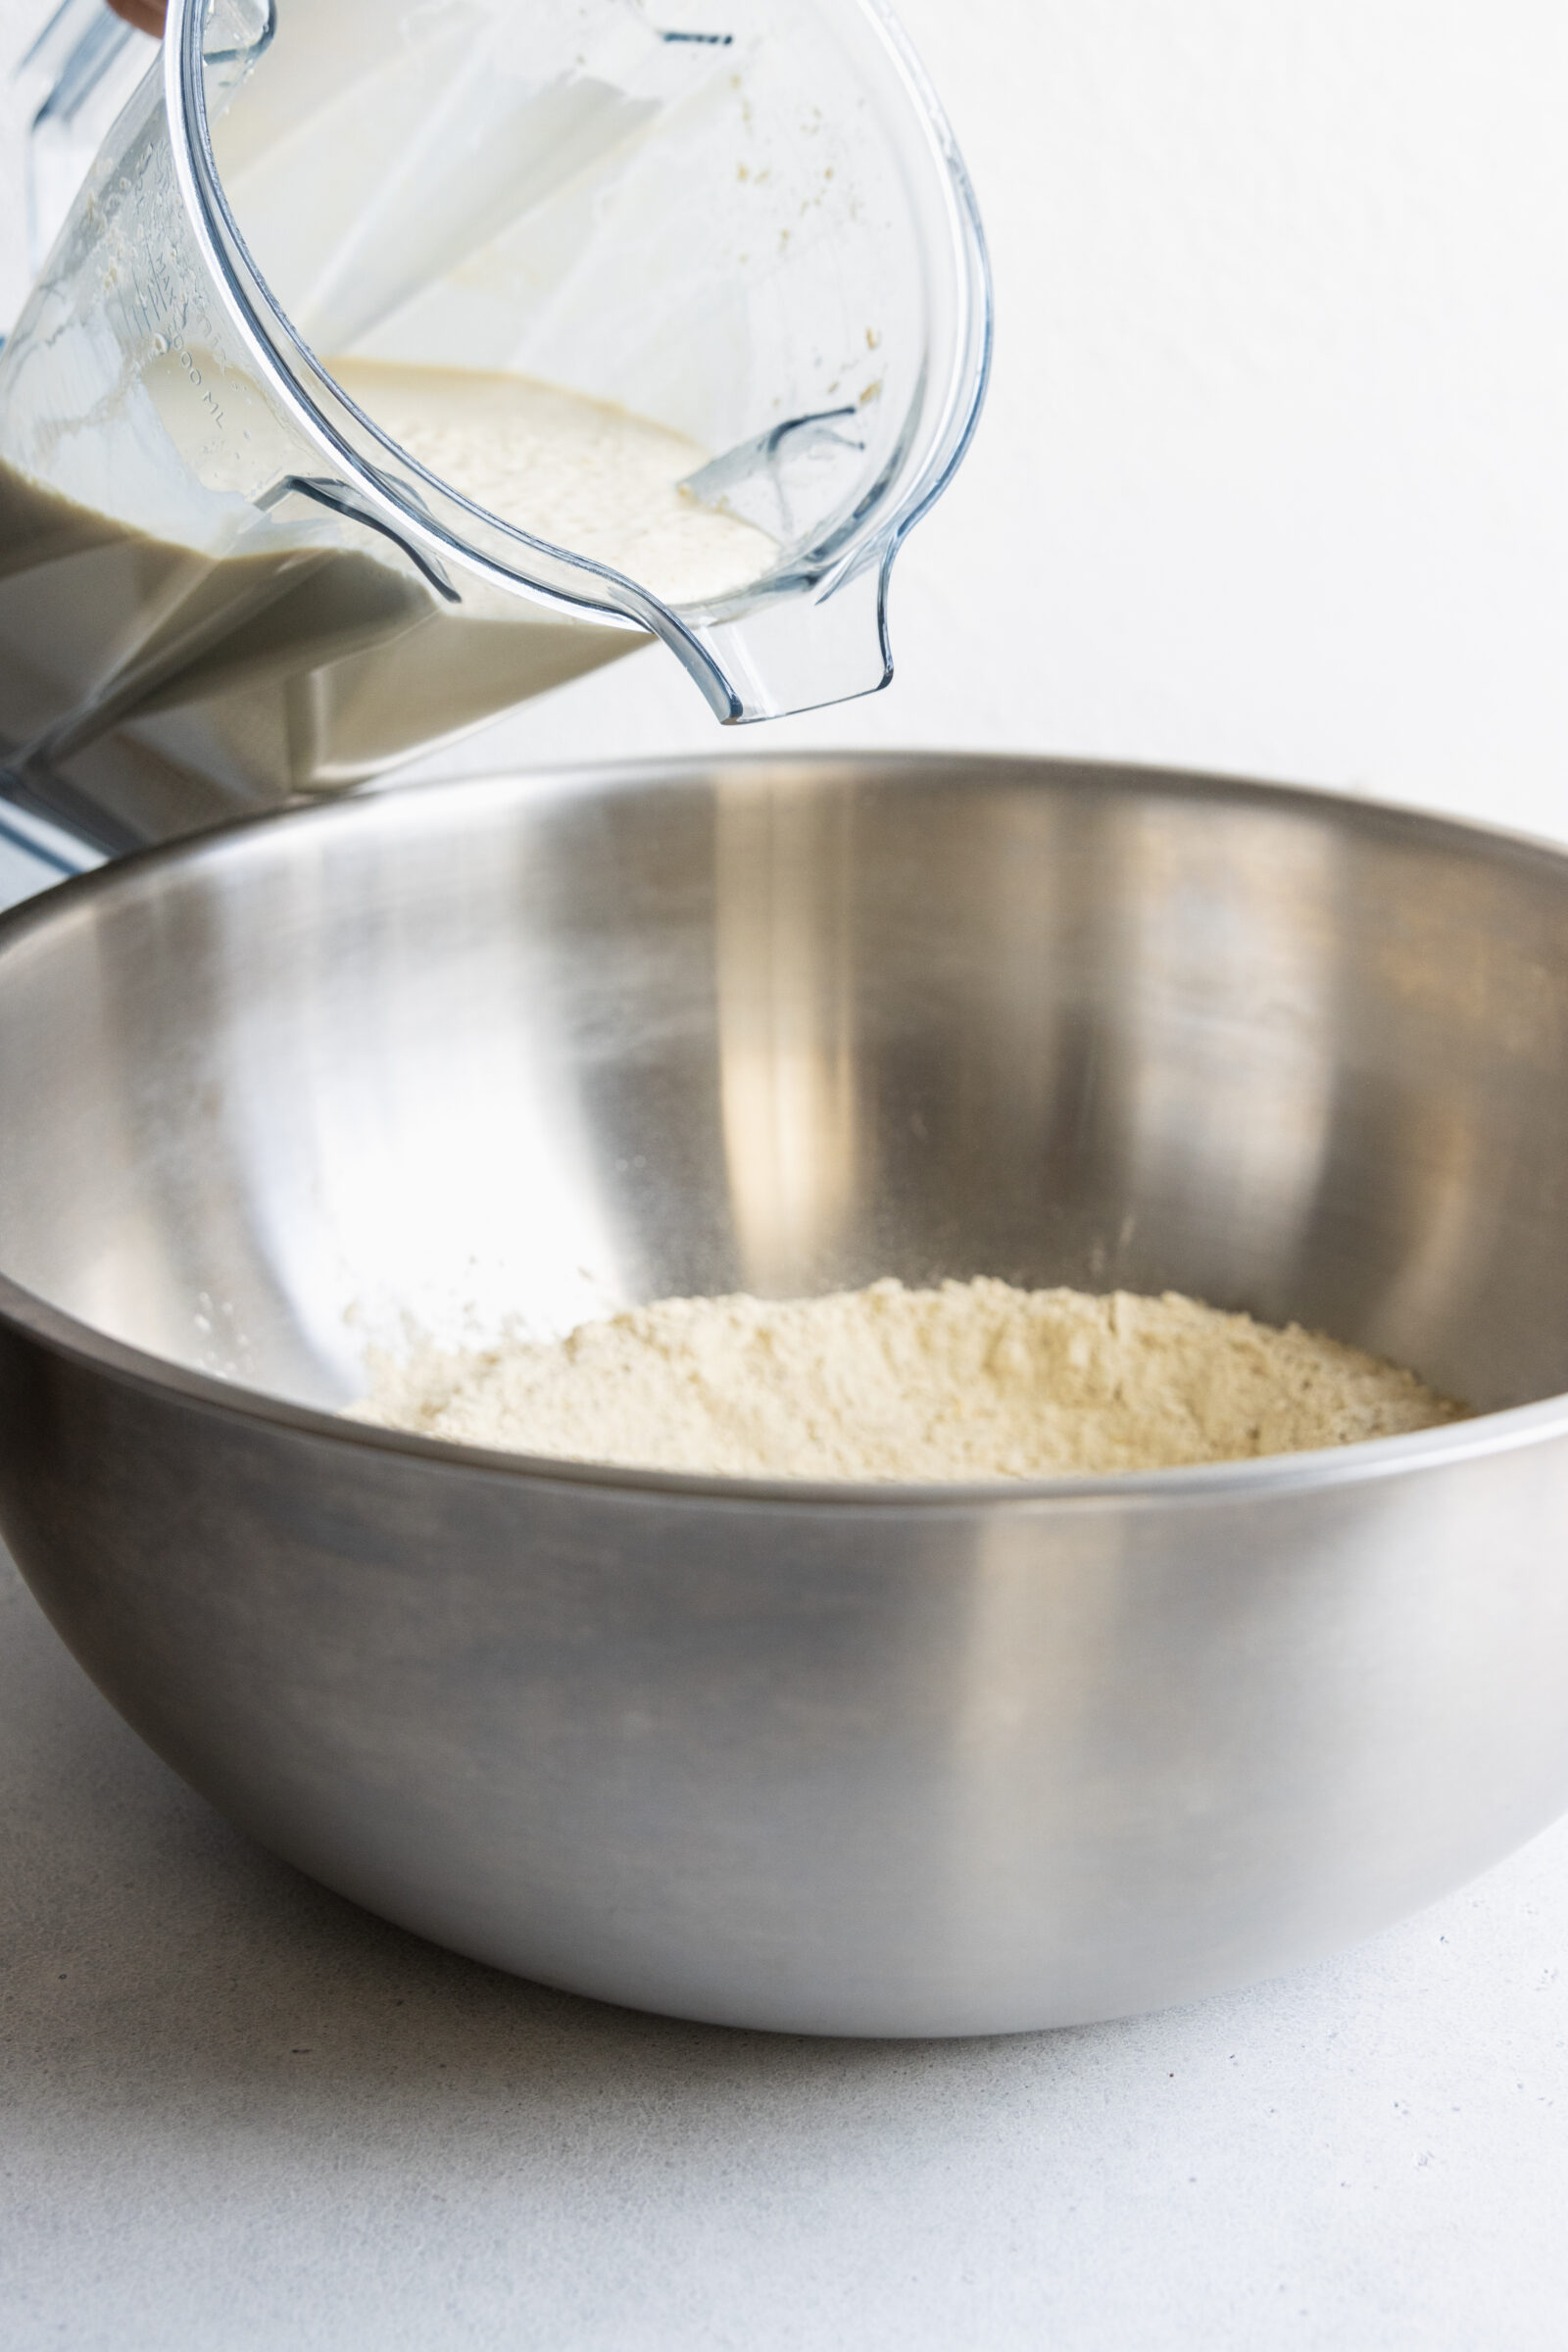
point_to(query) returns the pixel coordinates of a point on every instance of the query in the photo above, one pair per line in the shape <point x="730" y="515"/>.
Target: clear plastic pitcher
<point x="698" y="286"/>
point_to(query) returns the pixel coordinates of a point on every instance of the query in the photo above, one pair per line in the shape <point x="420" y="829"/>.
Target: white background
<point x="1272" y="480"/>
<point x="1274" y="472"/>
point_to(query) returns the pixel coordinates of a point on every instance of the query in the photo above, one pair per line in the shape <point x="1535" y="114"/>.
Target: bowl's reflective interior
<point x="545" y="1047"/>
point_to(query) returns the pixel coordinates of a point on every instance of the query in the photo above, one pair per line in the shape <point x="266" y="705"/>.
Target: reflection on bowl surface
<point x="865" y="1760"/>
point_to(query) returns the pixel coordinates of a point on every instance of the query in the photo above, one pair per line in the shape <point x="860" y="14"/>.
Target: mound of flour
<point x="974" y="1380"/>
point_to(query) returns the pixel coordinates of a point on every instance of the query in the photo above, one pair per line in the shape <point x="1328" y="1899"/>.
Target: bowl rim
<point x="127" y="1365"/>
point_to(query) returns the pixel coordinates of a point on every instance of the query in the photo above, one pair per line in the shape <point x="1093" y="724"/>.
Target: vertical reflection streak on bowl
<point x="787" y="1044"/>
<point x="1224" y="962"/>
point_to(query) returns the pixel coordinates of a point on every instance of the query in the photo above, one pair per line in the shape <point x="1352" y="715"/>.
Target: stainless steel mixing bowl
<point x="849" y="1760"/>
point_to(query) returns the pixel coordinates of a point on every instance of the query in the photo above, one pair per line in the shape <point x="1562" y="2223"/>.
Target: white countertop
<point x="236" y="2112"/>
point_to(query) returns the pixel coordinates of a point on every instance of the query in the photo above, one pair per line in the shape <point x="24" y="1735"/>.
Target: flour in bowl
<point x="975" y="1380"/>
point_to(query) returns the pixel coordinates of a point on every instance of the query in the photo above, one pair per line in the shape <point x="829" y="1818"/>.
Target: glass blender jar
<point x="718" y="258"/>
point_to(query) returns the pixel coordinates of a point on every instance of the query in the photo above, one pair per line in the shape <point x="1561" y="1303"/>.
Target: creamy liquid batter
<point x="102" y="624"/>
<point x="586" y="476"/>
